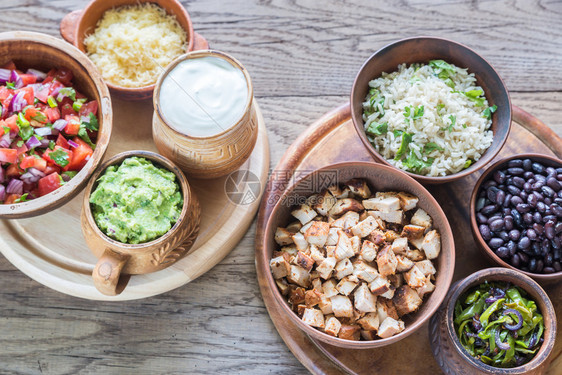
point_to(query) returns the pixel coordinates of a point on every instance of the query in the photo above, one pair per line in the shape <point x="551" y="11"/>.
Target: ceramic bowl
<point x="43" y="52"/>
<point x="211" y="156"/>
<point x="77" y="25"/>
<point x="446" y="347"/>
<point x="117" y="260"/>
<point x="422" y="50"/>
<point x="379" y="178"/>
<point x="482" y="245"/>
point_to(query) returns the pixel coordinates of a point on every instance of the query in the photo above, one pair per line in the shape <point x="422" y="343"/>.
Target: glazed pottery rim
<point x="141" y="89"/>
<point x="360" y="344"/>
<point x="105" y="116"/>
<point x="194" y="55"/>
<point x="485" y="158"/>
<point x="522" y="281"/>
<point x="158" y="161"/>
<point x="474" y="225"/>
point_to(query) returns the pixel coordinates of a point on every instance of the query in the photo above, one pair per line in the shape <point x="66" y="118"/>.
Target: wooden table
<point x="303" y="57"/>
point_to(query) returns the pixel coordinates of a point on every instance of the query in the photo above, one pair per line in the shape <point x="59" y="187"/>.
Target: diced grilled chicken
<point x="304" y="261"/>
<point x="421" y="218"/>
<point x="341" y="306"/>
<point x="406" y="300"/>
<point x="365" y="227"/>
<point x="347" y="285"/>
<point x="333" y="326"/>
<point x="300" y="310"/>
<point x="313" y="317"/>
<point x="304" y="214"/>
<point x="317" y="233"/>
<point x="298" y="275"/>
<point x="294" y="227"/>
<point x="389" y="294"/>
<point x="316" y="254"/>
<point x="386" y="261"/>
<point x="343" y="268"/>
<point x="377" y="237"/>
<point x="389" y="327"/>
<point x="326" y="267"/>
<point x="417" y="242"/>
<point x="332" y="239"/>
<point x="355" y="244"/>
<point x="359" y="187"/>
<point x="386" y="194"/>
<point x="317" y="285"/>
<point x="407" y="201"/>
<point x="382" y="204"/>
<point x="432" y="244"/>
<point x="338" y="192"/>
<point x="427" y="287"/>
<point x="412" y="232"/>
<point x="290" y="249"/>
<point x="368" y="335"/>
<point x="414" y="277"/>
<point x="379" y="285"/>
<point x="364" y="300"/>
<point x="314" y="275"/>
<point x="368" y="251"/>
<point x="283" y="236"/>
<point x="344" y="205"/>
<point x="296" y="296"/>
<point x="343" y="247"/>
<point x="390" y="235"/>
<point x="385" y="308"/>
<point x="400" y="245"/>
<point x="403" y="263"/>
<point x="305" y="227"/>
<point x="324" y="202"/>
<point x="283" y="286"/>
<point x="426" y="267"/>
<point x="279" y="267"/>
<point x="350" y="332"/>
<point x="300" y="242"/>
<point x="370" y="322"/>
<point x="395" y="217"/>
<point x="325" y="305"/>
<point x="415" y="255"/>
<point x="329" y="288"/>
<point x="396" y="280"/>
<point x="330" y="251"/>
<point x="312" y="298"/>
<point x="364" y="271"/>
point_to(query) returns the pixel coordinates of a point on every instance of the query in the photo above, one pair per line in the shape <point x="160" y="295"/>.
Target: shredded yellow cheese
<point x="133" y="44"/>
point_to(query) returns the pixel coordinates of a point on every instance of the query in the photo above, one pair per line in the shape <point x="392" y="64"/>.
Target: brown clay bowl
<point x="118" y="260"/>
<point x="446" y="347"/>
<point x="422" y="50"/>
<point x="43" y="52"/>
<point x="211" y="156"/>
<point x="543" y="278"/>
<point x="380" y="178"/>
<point x="77" y="25"/>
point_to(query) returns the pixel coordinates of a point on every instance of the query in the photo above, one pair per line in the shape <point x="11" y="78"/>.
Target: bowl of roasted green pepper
<point x="495" y="321"/>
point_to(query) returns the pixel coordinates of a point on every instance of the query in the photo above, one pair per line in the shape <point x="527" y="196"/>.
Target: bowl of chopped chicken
<point x="360" y="254"/>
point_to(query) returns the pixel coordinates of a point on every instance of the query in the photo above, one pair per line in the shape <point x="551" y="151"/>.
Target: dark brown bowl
<point x="380" y="178"/>
<point x="422" y="50"/>
<point x="446" y="347"/>
<point x="545" y="159"/>
<point x="43" y="52"/>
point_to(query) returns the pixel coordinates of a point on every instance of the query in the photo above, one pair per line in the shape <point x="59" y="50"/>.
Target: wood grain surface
<point x="303" y="56"/>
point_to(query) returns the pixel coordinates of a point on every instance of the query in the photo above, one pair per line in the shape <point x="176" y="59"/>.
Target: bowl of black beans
<point x="516" y="214"/>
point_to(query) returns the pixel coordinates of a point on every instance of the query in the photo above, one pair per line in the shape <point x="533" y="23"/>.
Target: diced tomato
<point x="62" y="142"/>
<point x="14" y="170"/>
<point x="28" y="79"/>
<point x="9" y="65"/>
<point x="48" y="184"/>
<point x="80" y="155"/>
<point x="11" y="122"/>
<point x="90" y="107"/>
<point x="30" y="112"/>
<point x="66" y="110"/>
<point x="27" y="162"/>
<point x="11" y="198"/>
<point x="8" y="155"/>
<point x="53" y="114"/>
<point x="79" y="95"/>
<point x="73" y="126"/>
<point x="48" y="152"/>
<point x="42" y="93"/>
<point x="21" y="149"/>
<point x="52" y="168"/>
<point x="29" y="95"/>
<point x="54" y="86"/>
<point x="4" y="93"/>
<point x="64" y="75"/>
<point x="33" y="162"/>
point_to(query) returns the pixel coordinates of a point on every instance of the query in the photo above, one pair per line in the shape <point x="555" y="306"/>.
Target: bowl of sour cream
<point x="204" y="115"/>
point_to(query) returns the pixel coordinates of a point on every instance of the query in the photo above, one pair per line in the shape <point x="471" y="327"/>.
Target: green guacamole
<point x="136" y="202"/>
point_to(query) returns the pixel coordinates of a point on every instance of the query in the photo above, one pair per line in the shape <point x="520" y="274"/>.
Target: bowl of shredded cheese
<point x="131" y="42"/>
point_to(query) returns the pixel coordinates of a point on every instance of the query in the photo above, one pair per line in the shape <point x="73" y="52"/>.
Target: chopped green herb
<point x="374" y="129"/>
<point x="10" y="85"/>
<point x="397" y="133"/>
<point x="413" y="113"/>
<point x="406" y="140"/>
<point x="6" y="129"/>
<point x="415" y="164"/>
<point x="488" y="111"/>
<point x="453" y="120"/>
<point x="475" y="95"/>
<point x="449" y="82"/>
<point x="69" y="92"/>
<point x="19" y="143"/>
<point x="374" y="91"/>
<point x="39" y="117"/>
<point x="60" y="157"/>
<point x="23" y="198"/>
<point x="90" y="122"/>
<point x="464" y="126"/>
<point x="52" y="145"/>
<point x="432" y="146"/>
<point x="442" y="66"/>
<point x="21" y="120"/>
<point x="26" y="132"/>
<point x="440" y="106"/>
<point x="83" y="134"/>
<point x="51" y="101"/>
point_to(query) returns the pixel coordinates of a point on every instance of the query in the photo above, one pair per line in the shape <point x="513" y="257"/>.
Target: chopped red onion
<point x="33" y="142"/>
<point x="516" y="326"/>
<point x="17" y="103"/>
<point x="36" y="172"/>
<point x="55" y="91"/>
<point x="16" y="79"/>
<point x="5" y="141"/>
<point x="44" y="131"/>
<point x="60" y="124"/>
<point x="2" y="175"/>
<point x="2" y="193"/>
<point x="45" y="142"/>
<point x="15" y="187"/>
<point x="72" y="143"/>
<point x="37" y="73"/>
<point x="4" y="76"/>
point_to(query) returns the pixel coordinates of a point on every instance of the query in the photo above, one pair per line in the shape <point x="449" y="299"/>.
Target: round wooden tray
<point x="333" y="139"/>
<point x="51" y="249"/>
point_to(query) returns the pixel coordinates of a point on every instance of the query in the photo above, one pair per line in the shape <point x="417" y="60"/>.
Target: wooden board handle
<point x="68" y="25"/>
<point x="107" y="273"/>
<point x="199" y="42"/>
<point x="539" y="129"/>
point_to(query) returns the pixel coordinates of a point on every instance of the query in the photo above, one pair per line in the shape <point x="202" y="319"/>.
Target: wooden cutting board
<point x="333" y="139"/>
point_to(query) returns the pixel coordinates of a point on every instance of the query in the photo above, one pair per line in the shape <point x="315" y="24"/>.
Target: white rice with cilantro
<point x="431" y="119"/>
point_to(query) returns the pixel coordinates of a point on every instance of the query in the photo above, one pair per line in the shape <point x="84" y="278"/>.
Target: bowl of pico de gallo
<point x="55" y="123"/>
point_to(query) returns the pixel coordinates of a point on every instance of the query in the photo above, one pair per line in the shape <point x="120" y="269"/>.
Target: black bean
<point x="524" y="195"/>
<point x="514" y="234"/>
<point x="500" y="196"/>
<point x="545" y="246"/>
<point x="550" y="171"/>
<point x="481" y="219"/>
<point x="499" y="177"/>
<point x="523" y="257"/>
<point x="495" y="216"/>
<point x="546" y="218"/>
<point x="537" y="218"/>
<point x="541" y="178"/>
<point x="558" y="228"/>
<point x="485" y="232"/>
<point x="490" y="209"/>
<point x="508" y="220"/>
<point x="558" y="201"/>
<point x="557" y="266"/>
<point x="541" y="207"/>
<point x="518" y="181"/>
<point x="502" y="252"/>
<point x="527" y="163"/>
<point x="528" y="218"/>
<point x="556" y="243"/>
<point x="537" y="167"/>
<point x="532" y="200"/>
<point x="517" y="218"/>
<point x="489" y="183"/>
<point x="537" y="185"/>
<point x="532" y="234"/>
<point x="549" y="229"/>
<point x="538" y="228"/>
<point x="548" y="270"/>
<point x="507" y="200"/>
<point x="495" y="242"/>
<point x="548" y="259"/>
<point x="496" y="225"/>
<point x="480" y="203"/>
<point x="536" y="249"/>
<point x="513" y="190"/>
<point x="556" y="210"/>
<point x="547" y="190"/>
<point x="503" y="235"/>
<point x="533" y="265"/>
<point x="515" y="261"/>
<point x="528" y="175"/>
<point x="515" y="171"/>
<point x="491" y="193"/>
<point x="553" y="183"/>
<point x="559" y="194"/>
<point x="538" y="195"/>
<point x="512" y="247"/>
<point x="515" y="163"/>
<point x="557" y="254"/>
<point x="524" y="243"/>
<point x="540" y="265"/>
<point x="516" y="199"/>
<point x="523" y="207"/>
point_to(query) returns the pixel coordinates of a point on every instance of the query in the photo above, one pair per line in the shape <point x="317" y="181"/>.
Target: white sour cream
<point x="203" y="96"/>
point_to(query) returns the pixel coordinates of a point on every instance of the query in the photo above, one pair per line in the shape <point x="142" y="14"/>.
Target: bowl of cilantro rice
<point x="430" y="107"/>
